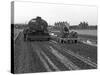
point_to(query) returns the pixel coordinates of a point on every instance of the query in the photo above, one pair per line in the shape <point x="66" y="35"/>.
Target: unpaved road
<point x="46" y="56"/>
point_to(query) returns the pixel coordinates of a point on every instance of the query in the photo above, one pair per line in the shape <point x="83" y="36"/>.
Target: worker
<point x="66" y="30"/>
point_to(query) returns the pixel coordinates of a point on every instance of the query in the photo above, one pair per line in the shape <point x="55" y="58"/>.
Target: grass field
<point x="90" y="37"/>
<point x="87" y="32"/>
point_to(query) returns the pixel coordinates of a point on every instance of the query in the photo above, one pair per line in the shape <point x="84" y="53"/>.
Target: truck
<point x="36" y="30"/>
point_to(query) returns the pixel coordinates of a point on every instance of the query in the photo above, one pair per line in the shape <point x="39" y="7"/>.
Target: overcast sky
<point x="24" y="11"/>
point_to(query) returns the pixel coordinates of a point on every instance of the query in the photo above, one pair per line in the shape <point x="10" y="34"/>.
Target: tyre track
<point x="63" y="59"/>
<point x="50" y="62"/>
<point x="38" y="52"/>
<point x="87" y="61"/>
<point x="52" y="57"/>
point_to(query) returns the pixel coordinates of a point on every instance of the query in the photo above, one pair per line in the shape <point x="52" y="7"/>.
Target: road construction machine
<point x="66" y="35"/>
<point x="36" y="30"/>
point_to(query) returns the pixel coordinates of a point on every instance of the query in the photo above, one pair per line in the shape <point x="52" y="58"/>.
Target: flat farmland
<point x="87" y="32"/>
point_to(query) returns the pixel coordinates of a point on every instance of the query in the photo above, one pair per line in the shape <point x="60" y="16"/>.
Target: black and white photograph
<point x="50" y="37"/>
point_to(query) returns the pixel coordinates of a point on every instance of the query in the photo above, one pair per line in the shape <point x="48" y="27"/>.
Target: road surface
<point x="47" y="56"/>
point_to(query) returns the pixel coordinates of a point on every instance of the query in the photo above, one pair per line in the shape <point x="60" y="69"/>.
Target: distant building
<point x="59" y="25"/>
<point x="83" y="25"/>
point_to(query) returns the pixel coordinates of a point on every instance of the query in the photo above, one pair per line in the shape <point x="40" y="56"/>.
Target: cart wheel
<point x="75" y="41"/>
<point x="64" y="41"/>
<point x="61" y="41"/>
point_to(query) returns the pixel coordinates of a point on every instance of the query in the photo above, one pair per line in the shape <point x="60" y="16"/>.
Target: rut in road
<point x="79" y="57"/>
<point x="63" y="59"/>
<point x="59" y="57"/>
<point x="38" y="52"/>
<point x="50" y="62"/>
<point x="46" y="57"/>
